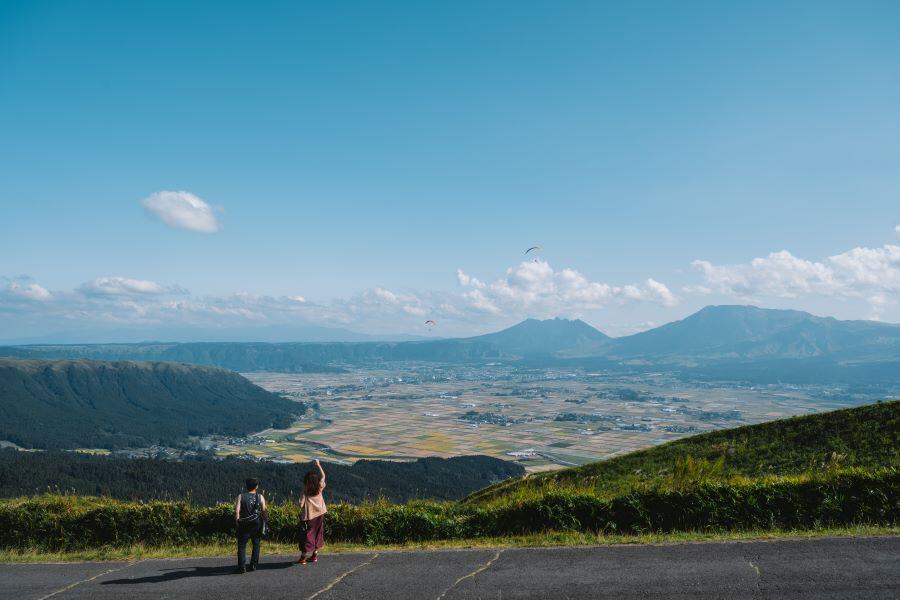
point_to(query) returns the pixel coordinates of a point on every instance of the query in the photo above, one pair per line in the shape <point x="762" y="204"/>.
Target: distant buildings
<point x="526" y="453"/>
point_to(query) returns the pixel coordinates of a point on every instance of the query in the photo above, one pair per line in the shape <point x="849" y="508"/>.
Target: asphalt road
<point x="820" y="569"/>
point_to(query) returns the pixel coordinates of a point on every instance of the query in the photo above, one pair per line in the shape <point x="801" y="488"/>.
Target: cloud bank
<point x="854" y="273"/>
<point x="182" y="210"/>
<point x="536" y="288"/>
<point x="27" y="290"/>
<point x="530" y="289"/>
<point x="870" y="274"/>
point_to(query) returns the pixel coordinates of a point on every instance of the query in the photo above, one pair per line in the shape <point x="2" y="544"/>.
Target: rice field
<point x="412" y="411"/>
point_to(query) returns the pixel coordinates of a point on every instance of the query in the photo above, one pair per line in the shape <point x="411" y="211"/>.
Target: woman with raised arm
<point x="312" y="513"/>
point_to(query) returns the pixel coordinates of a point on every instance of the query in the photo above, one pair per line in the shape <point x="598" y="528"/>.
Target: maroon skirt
<point x="315" y="534"/>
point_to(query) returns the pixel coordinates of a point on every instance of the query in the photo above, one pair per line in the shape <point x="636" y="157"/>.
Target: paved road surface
<point x="814" y="569"/>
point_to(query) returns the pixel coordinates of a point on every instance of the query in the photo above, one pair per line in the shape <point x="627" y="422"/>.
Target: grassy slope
<point x="866" y="436"/>
<point x="777" y="477"/>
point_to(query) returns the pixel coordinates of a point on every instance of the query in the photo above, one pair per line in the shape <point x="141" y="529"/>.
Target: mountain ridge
<point x="745" y="332"/>
<point x="714" y="335"/>
<point x="99" y="404"/>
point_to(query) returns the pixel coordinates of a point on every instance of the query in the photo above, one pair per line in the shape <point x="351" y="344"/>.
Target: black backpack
<point x="254" y="513"/>
<point x="252" y="510"/>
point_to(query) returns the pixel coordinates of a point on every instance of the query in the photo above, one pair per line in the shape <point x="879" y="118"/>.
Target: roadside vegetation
<point x="554" y="539"/>
<point x="828" y="471"/>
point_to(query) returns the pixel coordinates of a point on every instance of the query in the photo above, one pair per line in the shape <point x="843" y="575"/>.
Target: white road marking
<point x="77" y="583"/>
<point x="338" y="579"/>
<point x="472" y="574"/>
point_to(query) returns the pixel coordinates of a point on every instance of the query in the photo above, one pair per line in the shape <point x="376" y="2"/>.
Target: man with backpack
<point x="250" y="513"/>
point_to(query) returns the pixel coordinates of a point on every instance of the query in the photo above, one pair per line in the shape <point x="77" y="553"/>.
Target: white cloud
<point x="897" y="228"/>
<point x="534" y="287"/>
<point x="466" y="281"/>
<point x="416" y="311"/>
<point x="183" y="210"/>
<point x="376" y="304"/>
<point x="859" y="272"/>
<point x="481" y="303"/>
<point x="386" y="296"/>
<point x="28" y="291"/>
<point x="660" y="293"/>
<point x="621" y="329"/>
<point x="124" y="286"/>
<point x="878" y="303"/>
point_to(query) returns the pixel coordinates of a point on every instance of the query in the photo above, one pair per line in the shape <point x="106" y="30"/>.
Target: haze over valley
<point x="715" y="335"/>
<point x="543" y="393"/>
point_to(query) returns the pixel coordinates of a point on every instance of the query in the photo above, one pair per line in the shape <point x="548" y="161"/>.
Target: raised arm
<point x="321" y="471"/>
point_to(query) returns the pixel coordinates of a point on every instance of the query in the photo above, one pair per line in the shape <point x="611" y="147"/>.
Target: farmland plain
<point x="544" y="418"/>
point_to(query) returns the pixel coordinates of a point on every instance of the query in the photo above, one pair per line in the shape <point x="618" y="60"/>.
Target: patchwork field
<point x="544" y="418"/>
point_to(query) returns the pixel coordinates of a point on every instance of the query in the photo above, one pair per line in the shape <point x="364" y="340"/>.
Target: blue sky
<point x="355" y="157"/>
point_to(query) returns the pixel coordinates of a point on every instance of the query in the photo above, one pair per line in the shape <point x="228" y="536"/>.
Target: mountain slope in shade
<point x="750" y="333"/>
<point x="94" y="404"/>
<point x="533" y="337"/>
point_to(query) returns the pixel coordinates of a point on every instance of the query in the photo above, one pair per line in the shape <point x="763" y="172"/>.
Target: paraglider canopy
<point x="430" y="322"/>
<point x="532" y="248"/>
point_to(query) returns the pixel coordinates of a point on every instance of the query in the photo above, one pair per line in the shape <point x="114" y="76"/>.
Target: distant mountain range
<point x="189" y="334"/>
<point x="296" y="357"/>
<point x="712" y="337"/>
<point x="718" y="333"/>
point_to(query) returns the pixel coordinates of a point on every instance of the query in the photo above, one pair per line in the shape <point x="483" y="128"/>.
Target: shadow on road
<point x="176" y="574"/>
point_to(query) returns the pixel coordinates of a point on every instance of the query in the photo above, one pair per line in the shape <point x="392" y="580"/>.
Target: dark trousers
<point x="248" y="531"/>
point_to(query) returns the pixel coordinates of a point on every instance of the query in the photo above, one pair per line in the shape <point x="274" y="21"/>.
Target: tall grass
<point x="696" y="501"/>
<point x="866" y="436"/>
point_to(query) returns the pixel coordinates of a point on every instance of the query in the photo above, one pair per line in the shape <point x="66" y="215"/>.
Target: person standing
<point x="312" y="513"/>
<point x="249" y="511"/>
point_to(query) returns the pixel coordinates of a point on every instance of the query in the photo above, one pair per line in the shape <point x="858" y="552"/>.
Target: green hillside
<point x="866" y="437"/>
<point x="94" y="404"/>
<point x="820" y="472"/>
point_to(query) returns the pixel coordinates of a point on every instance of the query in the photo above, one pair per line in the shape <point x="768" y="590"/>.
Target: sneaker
<point x="302" y="561"/>
<point x="240" y="570"/>
<point x="252" y="568"/>
<point x="315" y="557"/>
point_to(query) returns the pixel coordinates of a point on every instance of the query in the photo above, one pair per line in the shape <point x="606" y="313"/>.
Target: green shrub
<point x="817" y="499"/>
